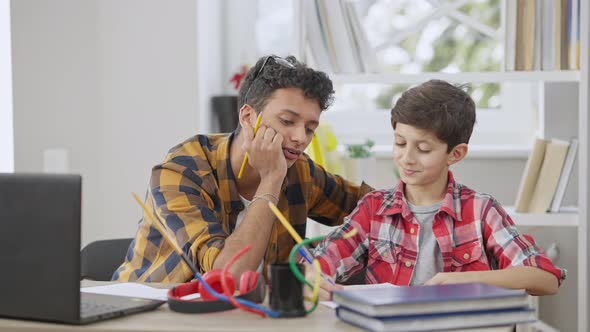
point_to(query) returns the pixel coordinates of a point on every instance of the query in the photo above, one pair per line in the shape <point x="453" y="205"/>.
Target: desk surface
<point x="163" y="319"/>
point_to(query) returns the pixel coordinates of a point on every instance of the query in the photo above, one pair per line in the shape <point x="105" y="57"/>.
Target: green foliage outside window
<point x="458" y="47"/>
<point x="362" y="150"/>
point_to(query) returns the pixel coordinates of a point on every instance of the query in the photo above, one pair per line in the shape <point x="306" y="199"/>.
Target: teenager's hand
<point x="326" y="288"/>
<point x="265" y="151"/>
<point x="442" y="278"/>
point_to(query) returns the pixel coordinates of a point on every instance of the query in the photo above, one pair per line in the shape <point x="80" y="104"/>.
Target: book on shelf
<point x="510" y="36"/>
<point x="542" y="35"/>
<point x="568" y="166"/>
<point x="436" y="322"/>
<point x="545" y="177"/>
<point x="549" y="174"/>
<point x="336" y="38"/>
<point x="341" y="35"/>
<point x="530" y="176"/>
<point x="364" y="50"/>
<point x="434" y="299"/>
<point x="573" y="36"/>
<point x="316" y="37"/>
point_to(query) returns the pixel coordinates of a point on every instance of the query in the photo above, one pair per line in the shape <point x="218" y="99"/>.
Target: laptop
<point x="40" y="218"/>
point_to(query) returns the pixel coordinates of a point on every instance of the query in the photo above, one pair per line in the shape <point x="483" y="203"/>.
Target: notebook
<point x="439" y="322"/>
<point x="40" y="218"/>
<point x="413" y="300"/>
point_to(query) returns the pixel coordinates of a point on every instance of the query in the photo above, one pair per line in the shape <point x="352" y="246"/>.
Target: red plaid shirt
<point x="472" y="229"/>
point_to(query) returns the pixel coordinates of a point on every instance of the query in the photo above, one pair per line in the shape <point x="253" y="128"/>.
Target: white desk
<point x="163" y="319"/>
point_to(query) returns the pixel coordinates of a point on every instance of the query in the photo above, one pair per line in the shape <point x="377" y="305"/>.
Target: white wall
<point x="6" y="132"/>
<point x="56" y="104"/>
<point x="148" y="59"/>
<point x="112" y="82"/>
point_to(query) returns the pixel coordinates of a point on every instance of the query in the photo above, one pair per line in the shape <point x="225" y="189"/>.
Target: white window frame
<point x="6" y="105"/>
<point x="510" y="128"/>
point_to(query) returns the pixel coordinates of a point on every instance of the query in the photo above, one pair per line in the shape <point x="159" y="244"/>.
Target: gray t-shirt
<point x="429" y="261"/>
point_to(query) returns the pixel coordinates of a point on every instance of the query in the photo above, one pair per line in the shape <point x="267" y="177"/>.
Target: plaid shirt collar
<point x="394" y="201"/>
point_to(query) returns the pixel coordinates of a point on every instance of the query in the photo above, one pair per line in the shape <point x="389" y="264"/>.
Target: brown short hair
<point x="441" y="107"/>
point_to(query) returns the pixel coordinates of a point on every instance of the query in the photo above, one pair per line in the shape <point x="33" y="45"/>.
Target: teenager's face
<point x="421" y="158"/>
<point x="294" y="117"/>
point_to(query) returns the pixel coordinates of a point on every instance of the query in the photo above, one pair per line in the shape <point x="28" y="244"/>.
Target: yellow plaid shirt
<point x="194" y="192"/>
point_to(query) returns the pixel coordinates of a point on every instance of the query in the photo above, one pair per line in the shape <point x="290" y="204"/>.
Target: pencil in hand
<point x="245" y="161"/>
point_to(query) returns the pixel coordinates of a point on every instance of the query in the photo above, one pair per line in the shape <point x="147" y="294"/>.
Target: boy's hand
<point x="326" y="288"/>
<point x="265" y="151"/>
<point x="442" y="278"/>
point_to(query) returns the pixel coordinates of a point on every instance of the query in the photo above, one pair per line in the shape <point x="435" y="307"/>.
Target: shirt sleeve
<point x="179" y="196"/>
<point x="511" y="248"/>
<point x="332" y="197"/>
<point x="343" y="258"/>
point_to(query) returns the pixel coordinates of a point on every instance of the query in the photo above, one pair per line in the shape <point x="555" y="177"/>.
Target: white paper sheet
<point x="129" y="289"/>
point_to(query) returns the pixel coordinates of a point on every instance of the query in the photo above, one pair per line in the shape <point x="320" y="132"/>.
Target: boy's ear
<point x="457" y="154"/>
<point x="247" y="114"/>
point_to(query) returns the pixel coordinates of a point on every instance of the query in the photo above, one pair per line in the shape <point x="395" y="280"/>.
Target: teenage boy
<point x="430" y="229"/>
<point x="212" y="214"/>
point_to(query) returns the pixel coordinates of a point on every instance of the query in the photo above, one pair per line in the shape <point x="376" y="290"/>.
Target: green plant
<point x="362" y="150"/>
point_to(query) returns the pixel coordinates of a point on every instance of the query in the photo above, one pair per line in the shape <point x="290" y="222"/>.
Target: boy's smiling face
<point x="422" y="158"/>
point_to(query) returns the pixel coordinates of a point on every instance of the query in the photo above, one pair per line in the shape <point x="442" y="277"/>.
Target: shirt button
<point x="465" y="256"/>
<point x="408" y="263"/>
<point x="412" y="230"/>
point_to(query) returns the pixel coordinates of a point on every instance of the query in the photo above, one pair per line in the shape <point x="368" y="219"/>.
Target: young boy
<point x="429" y="229"/>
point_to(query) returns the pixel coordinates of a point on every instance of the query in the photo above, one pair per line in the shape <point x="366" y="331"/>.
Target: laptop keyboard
<point x="91" y="309"/>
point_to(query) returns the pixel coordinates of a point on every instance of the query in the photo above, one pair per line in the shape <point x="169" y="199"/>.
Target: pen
<point x="154" y="221"/>
<point x="304" y="251"/>
<point x="245" y="161"/>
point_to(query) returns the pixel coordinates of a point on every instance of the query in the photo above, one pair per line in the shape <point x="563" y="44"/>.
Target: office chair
<point x="100" y="259"/>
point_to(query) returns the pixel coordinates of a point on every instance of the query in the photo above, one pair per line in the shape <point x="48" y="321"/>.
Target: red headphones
<point x="252" y="288"/>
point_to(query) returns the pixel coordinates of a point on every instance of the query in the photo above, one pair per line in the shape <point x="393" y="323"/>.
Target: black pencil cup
<point x="286" y="291"/>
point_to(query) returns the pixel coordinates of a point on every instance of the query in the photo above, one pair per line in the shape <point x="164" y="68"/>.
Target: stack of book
<point x="437" y="307"/>
<point x="546" y="176"/>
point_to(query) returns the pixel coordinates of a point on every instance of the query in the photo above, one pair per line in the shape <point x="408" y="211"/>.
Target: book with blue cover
<point x="441" y="321"/>
<point x="413" y="300"/>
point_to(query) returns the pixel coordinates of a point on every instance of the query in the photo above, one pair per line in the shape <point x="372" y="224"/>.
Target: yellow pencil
<point x="304" y="251"/>
<point x="285" y="223"/>
<point x="154" y="221"/>
<point x="245" y="161"/>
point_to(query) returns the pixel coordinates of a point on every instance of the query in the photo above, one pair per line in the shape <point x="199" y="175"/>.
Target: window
<point x="6" y="123"/>
<point x="414" y="37"/>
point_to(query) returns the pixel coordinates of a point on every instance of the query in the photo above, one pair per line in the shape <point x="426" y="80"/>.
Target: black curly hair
<point x="258" y="85"/>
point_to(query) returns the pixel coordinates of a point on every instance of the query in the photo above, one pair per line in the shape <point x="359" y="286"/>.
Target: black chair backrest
<point x="100" y="259"/>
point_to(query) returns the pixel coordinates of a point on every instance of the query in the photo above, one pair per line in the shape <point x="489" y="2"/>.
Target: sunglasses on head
<point x="278" y="60"/>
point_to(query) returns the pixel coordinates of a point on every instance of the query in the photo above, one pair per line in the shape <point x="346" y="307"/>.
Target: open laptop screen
<point x="40" y="246"/>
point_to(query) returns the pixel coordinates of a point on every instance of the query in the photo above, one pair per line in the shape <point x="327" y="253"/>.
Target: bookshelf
<point x="473" y="77"/>
<point x="579" y="217"/>
<point x="562" y="219"/>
